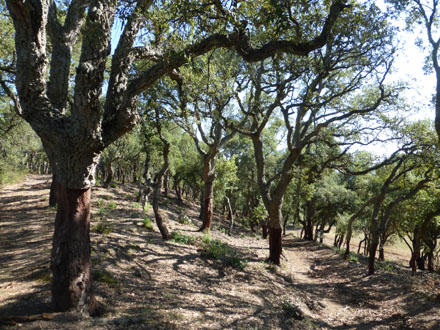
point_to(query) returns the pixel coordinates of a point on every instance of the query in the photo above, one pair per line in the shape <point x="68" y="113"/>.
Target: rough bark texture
<point x="70" y="260"/>
<point x="372" y="255"/>
<point x="275" y="245"/>
<point x="308" y="225"/>
<point x="75" y="142"/>
<point x="53" y="191"/>
<point x="207" y="215"/>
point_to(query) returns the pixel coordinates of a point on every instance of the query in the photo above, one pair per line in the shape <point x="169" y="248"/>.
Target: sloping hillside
<point x="195" y="281"/>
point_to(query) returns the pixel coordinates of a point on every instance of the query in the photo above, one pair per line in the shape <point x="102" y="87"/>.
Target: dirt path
<point x="147" y="283"/>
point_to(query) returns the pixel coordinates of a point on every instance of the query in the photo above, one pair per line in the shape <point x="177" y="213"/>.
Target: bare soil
<point x="148" y="283"/>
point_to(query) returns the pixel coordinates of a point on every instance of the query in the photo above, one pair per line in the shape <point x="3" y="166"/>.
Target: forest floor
<point x="148" y="283"/>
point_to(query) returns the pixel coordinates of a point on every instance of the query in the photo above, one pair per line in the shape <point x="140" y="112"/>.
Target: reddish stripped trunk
<point x="207" y="215"/>
<point x="70" y="260"/>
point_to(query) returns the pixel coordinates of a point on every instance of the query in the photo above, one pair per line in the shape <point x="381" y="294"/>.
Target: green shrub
<point x="291" y="311"/>
<point x="111" y="205"/>
<point x="180" y="238"/>
<point x="100" y="203"/>
<point x="148" y="223"/>
<point x="183" y="219"/>
<point x="218" y="250"/>
<point x="10" y="176"/>
<point x="103" y="227"/>
<point x="113" y="185"/>
<point x="104" y="277"/>
<point x="387" y="266"/>
<point x="136" y="205"/>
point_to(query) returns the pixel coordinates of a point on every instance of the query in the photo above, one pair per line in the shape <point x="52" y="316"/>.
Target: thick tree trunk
<point x="207" y="207"/>
<point x="53" y="191"/>
<point x="265" y="229"/>
<point x="275" y="233"/>
<point x="415" y="254"/>
<point x="109" y="171"/>
<point x="207" y="215"/>
<point x="70" y="260"/>
<point x="372" y="254"/>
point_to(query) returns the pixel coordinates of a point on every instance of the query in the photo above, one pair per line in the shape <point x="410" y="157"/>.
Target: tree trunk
<point x="109" y="174"/>
<point x="415" y="254"/>
<point x="372" y="253"/>
<point x="70" y="260"/>
<point x="165" y="185"/>
<point x="207" y="207"/>
<point x="53" y="191"/>
<point x="264" y="229"/>
<point x="230" y="214"/>
<point x="159" y="220"/>
<point x="275" y="245"/>
<point x="275" y="232"/>
<point x="308" y="227"/>
<point x="207" y="215"/>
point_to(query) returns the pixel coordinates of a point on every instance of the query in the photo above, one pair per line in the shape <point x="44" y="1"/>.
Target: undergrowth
<point x="216" y="249"/>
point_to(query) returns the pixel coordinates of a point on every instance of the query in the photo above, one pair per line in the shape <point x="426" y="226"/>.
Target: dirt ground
<point x="148" y="283"/>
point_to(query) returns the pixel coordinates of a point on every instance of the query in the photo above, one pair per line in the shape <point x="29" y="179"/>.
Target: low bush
<point x="178" y="237"/>
<point x="218" y="250"/>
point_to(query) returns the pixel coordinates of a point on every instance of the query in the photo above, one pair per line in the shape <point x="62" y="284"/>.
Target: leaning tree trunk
<point x="158" y="215"/>
<point x="230" y="214"/>
<point x="70" y="260"/>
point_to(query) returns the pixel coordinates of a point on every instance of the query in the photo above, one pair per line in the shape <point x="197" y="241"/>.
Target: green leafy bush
<point x="104" y="277"/>
<point x="148" y="223"/>
<point x="218" y="250"/>
<point x="178" y="237"/>
<point x="102" y="227"/>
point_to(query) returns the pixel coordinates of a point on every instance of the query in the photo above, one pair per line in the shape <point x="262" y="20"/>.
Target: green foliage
<point x="291" y="311"/>
<point x="111" y="205"/>
<point x="387" y="266"/>
<point x="104" y="277"/>
<point x="43" y="275"/>
<point x="180" y="238"/>
<point x="147" y="223"/>
<point x="218" y="250"/>
<point x="184" y="219"/>
<point x="103" y="227"/>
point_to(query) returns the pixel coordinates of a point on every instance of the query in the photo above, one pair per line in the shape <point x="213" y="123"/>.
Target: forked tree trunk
<point x="70" y="259"/>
